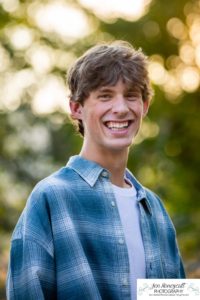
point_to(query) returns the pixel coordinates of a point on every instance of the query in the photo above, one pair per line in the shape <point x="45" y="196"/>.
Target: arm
<point x="182" y="270"/>
<point x="31" y="273"/>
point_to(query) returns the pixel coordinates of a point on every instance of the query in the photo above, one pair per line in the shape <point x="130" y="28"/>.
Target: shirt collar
<point x="90" y="172"/>
<point x="87" y="169"/>
<point x="141" y="191"/>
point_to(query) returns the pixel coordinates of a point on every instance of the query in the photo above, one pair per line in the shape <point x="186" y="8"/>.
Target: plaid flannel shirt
<point x="69" y="242"/>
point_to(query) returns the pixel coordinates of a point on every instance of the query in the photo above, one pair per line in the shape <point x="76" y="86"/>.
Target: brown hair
<point x="105" y="64"/>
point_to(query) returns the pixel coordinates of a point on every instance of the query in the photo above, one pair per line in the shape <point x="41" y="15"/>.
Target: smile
<point x="115" y="125"/>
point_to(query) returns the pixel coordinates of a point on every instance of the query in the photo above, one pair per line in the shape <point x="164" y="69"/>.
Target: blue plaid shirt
<point x="69" y="241"/>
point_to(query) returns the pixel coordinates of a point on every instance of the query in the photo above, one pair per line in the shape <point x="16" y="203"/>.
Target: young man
<point x="91" y="229"/>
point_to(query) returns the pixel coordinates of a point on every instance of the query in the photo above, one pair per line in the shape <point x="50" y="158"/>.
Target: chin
<point x="119" y="146"/>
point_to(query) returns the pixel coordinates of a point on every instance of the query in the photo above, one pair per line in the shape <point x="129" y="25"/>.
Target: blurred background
<point x="38" y="42"/>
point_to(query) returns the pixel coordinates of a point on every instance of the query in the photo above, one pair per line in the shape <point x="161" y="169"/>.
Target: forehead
<point x="120" y="84"/>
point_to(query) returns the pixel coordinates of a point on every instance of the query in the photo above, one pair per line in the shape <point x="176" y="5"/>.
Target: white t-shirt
<point x="129" y="214"/>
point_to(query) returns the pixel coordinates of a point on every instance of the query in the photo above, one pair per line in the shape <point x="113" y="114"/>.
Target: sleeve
<point x="31" y="272"/>
<point x="173" y="263"/>
<point x="182" y="270"/>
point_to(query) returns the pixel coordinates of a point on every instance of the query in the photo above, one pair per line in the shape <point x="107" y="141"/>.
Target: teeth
<point x="117" y="125"/>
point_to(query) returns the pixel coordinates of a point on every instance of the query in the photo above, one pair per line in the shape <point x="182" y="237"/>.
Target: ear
<point x="145" y="107"/>
<point x="76" y="110"/>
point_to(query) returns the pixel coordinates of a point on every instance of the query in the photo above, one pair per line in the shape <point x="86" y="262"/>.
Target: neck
<point x="114" y="161"/>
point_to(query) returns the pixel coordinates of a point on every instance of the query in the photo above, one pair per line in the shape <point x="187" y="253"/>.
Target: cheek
<point x="137" y="109"/>
<point x="94" y="113"/>
<point x="141" y="109"/>
<point x="90" y="121"/>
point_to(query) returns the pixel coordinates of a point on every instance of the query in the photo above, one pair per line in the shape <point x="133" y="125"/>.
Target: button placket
<point x="113" y="203"/>
<point x="125" y="282"/>
<point x="104" y="174"/>
<point x="121" y="241"/>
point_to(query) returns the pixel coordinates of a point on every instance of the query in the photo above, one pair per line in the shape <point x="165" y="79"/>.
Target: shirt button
<point x="104" y="174"/>
<point x="125" y="281"/>
<point x="113" y="203"/>
<point x="121" y="241"/>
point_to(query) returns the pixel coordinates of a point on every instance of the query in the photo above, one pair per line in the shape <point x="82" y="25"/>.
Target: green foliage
<point x="34" y="144"/>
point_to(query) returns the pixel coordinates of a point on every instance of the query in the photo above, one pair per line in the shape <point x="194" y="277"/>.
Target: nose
<point x="120" y="105"/>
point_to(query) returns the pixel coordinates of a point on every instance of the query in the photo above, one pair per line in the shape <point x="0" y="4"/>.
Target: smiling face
<point x="111" y="117"/>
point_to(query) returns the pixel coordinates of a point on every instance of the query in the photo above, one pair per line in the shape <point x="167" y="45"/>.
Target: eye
<point x="104" y="97"/>
<point x="133" y="96"/>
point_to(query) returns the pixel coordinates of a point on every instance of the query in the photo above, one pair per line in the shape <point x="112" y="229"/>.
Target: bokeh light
<point x="60" y="18"/>
<point x="50" y="97"/>
<point x="40" y="40"/>
<point x="110" y="10"/>
<point x="69" y="23"/>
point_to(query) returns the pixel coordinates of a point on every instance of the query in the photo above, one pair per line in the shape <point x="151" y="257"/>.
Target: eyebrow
<point x="133" y="89"/>
<point x="105" y="89"/>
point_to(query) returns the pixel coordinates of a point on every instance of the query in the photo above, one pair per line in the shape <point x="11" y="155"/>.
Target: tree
<point x="36" y="136"/>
